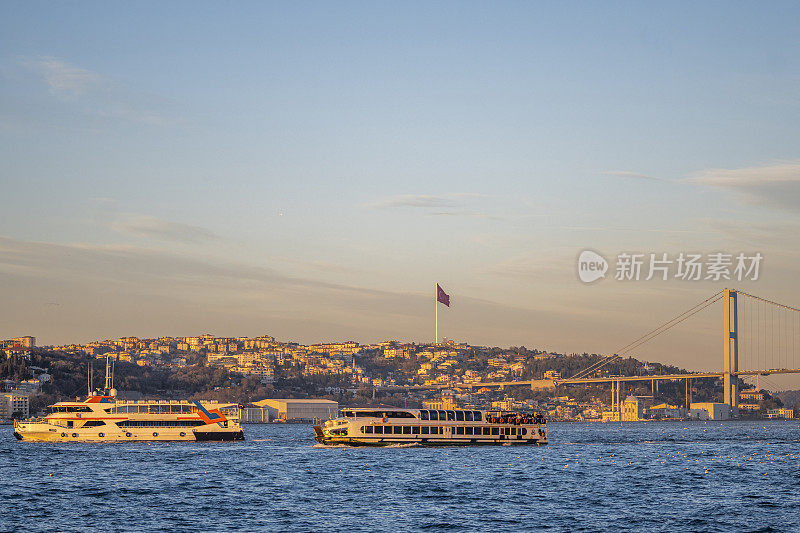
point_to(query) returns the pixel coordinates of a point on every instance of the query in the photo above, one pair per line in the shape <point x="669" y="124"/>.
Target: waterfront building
<point x="289" y="410"/>
<point x="709" y="411"/>
<point x="254" y="415"/>
<point x="610" y="416"/>
<point x="751" y="395"/>
<point x="632" y="409"/>
<point x="749" y="407"/>
<point x="12" y="403"/>
<point x="664" y="411"/>
<point x="779" y="413"/>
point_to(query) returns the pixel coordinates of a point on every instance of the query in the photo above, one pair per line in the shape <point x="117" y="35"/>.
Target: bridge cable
<point x="788" y="307"/>
<point x="649" y="335"/>
<point x="671" y="326"/>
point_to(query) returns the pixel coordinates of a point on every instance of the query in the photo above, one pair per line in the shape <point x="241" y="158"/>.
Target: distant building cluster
<point x="438" y="365"/>
<point x="465" y="375"/>
<point x="19" y="345"/>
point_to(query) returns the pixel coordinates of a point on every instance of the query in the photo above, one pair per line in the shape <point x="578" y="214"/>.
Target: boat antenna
<point x="88" y="379"/>
<point x="108" y="373"/>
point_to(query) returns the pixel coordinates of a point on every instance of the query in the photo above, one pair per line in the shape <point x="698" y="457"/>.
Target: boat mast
<point x="109" y="379"/>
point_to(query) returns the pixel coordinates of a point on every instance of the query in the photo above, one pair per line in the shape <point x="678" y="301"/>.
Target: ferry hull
<point x="47" y="433"/>
<point x="321" y="438"/>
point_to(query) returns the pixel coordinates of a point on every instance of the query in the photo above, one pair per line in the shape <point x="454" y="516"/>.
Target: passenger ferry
<point x="386" y="426"/>
<point x="103" y="418"/>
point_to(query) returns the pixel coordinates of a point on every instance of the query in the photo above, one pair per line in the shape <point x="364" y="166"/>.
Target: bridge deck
<point x="605" y="379"/>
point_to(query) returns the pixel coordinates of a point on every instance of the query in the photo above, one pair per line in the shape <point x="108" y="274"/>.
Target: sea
<point x="648" y="476"/>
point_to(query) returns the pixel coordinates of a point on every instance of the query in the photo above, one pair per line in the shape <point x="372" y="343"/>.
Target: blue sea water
<point x="713" y="476"/>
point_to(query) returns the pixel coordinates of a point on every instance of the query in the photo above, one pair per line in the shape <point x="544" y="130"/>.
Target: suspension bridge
<point x="760" y="338"/>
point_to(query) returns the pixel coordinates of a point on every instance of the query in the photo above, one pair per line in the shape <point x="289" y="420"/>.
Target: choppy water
<point x="735" y="476"/>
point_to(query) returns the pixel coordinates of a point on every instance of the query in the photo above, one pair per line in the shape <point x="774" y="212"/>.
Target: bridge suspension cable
<point x="650" y="335"/>
<point x="772" y="330"/>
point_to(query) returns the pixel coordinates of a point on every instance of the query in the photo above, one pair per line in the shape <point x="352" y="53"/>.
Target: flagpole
<point x="436" y="313"/>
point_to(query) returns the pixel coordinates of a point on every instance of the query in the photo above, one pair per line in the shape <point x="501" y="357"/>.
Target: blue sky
<point x="311" y="170"/>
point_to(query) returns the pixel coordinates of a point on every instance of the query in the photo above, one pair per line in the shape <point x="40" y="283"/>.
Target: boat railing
<point x="516" y="419"/>
<point x="34" y="420"/>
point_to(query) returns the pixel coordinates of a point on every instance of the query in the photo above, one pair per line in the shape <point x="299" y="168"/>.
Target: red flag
<point x="442" y="296"/>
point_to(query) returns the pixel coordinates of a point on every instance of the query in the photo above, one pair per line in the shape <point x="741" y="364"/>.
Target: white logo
<point x="591" y="266"/>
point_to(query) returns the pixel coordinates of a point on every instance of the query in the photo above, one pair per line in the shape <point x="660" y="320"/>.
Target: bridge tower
<point x="730" y="356"/>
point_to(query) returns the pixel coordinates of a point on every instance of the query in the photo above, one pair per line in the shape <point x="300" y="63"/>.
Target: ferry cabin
<point x="432" y="426"/>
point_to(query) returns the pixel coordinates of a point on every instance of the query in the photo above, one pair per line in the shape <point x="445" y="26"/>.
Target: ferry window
<point x="398" y="430"/>
<point x="415" y="430"/>
<point x="524" y="431"/>
<point x="434" y="430"/>
<point x="424" y="430"/>
<point x="495" y="431"/>
<point x="468" y="431"/>
<point x="513" y="431"/>
<point x="368" y="429"/>
<point x="460" y="416"/>
<point x="434" y="415"/>
<point x="442" y="415"/>
<point x="347" y="414"/>
<point x="477" y="415"/>
<point x="451" y="415"/>
<point x="363" y="429"/>
<point x="487" y="431"/>
<point x="69" y="423"/>
<point x="423" y="415"/>
<point x="406" y="430"/>
<point x="460" y="430"/>
<point x="379" y="430"/>
<point x="468" y="416"/>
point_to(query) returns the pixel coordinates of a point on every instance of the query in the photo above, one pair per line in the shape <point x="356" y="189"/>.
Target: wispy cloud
<point x="423" y="200"/>
<point x="63" y="79"/>
<point x="102" y="200"/>
<point x="469" y="214"/>
<point x="456" y="204"/>
<point x="96" y="94"/>
<point x="163" y="230"/>
<point x="632" y="175"/>
<point x="775" y="185"/>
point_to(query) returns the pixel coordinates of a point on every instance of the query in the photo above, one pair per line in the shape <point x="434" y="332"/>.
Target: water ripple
<point x="655" y="476"/>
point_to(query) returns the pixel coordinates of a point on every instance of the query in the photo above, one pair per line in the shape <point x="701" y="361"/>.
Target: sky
<point x="311" y="170"/>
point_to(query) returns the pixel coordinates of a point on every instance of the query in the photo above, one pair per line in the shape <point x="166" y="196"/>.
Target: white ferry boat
<point x="103" y="418"/>
<point x="385" y="426"/>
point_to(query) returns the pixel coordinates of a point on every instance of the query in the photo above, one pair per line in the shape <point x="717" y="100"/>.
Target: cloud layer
<point x="163" y="230"/>
<point x="776" y="185"/>
<point x="63" y="79"/>
<point x="423" y="200"/>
